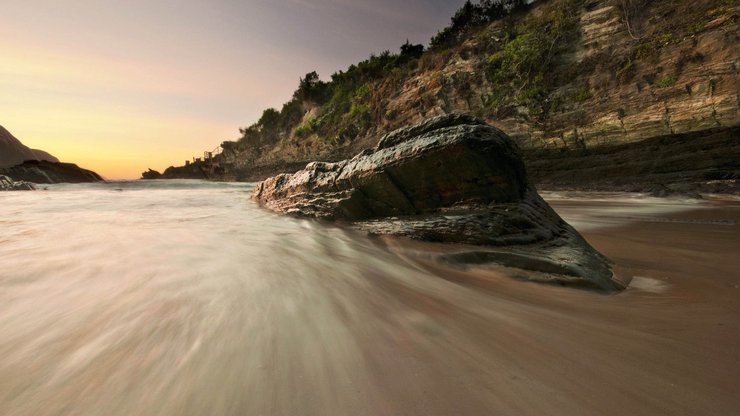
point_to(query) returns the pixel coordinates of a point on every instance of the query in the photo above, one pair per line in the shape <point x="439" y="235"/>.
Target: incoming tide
<point x="186" y="298"/>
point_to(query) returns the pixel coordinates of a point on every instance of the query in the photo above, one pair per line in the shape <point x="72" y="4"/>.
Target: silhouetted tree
<point x="311" y="88"/>
<point x="269" y="119"/>
<point x="408" y="50"/>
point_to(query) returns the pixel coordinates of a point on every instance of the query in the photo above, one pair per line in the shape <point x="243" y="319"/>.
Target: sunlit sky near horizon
<point x="119" y="87"/>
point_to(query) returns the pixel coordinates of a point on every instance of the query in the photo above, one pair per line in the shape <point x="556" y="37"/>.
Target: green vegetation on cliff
<point x="551" y="73"/>
<point x="345" y="103"/>
<point x="522" y="67"/>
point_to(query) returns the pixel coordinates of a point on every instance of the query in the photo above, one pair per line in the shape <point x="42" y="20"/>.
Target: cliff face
<point x="560" y="76"/>
<point x="679" y="81"/>
<point x="678" y="74"/>
<point x="13" y="152"/>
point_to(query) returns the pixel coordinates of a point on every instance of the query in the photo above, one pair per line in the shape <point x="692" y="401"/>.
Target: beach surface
<point x="186" y="298"/>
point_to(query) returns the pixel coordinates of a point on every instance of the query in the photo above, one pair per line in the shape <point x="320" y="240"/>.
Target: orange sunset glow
<point x="119" y="88"/>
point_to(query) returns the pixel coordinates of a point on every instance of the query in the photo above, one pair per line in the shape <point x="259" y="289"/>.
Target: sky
<point x="122" y="86"/>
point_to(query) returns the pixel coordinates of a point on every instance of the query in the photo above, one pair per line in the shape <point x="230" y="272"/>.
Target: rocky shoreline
<point x="42" y="171"/>
<point x="22" y="167"/>
<point x="8" y="184"/>
<point x="450" y="179"/>
<point x="688" y="165"/>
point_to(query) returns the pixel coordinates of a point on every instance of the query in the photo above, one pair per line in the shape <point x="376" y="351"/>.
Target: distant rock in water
<point x="8" y="184"/>
<point x="50" y="172"/>
<point x="151" y="174"/>
<point x="13" y="152"/>
<point x="195" y="170"/>
<point x="451" y="179"/>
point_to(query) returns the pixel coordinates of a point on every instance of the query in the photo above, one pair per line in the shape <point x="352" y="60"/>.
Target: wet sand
<point x="316" y="320"/>
<point x="668" y="345"/>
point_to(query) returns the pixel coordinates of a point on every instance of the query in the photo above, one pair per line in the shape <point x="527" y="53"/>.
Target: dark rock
<point x="151" y="174"/>
<point x="50" y="172"/>
<point x="13" y="152"/>
<point x="8" y="184"/>
<point x="401" y="135"/>
<point x="451" y="179"/>
<point x="195" y="170"/>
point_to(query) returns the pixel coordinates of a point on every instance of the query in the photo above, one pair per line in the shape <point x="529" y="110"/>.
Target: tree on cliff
<point x="311" y="88"/>
<point x="409" y="50"/>
<point x="472" y="15"/>
<point x="270" y="119"/>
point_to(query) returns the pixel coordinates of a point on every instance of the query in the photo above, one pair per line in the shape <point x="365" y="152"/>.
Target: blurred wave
<point x="186" y="298"/>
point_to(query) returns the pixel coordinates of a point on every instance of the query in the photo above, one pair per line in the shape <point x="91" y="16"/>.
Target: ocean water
<point x="186" y="298"/>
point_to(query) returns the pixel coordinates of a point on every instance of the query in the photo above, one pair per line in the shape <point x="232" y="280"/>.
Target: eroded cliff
<point x="558" y="76"/>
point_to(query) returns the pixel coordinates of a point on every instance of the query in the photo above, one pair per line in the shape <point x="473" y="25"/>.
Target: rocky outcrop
<point x="151" y="174"/>
<point x="449" y="179"/>
<point x="8" y="184"/>
<point x="36" y="166"/>
<point x="195" y="170"/>
<point x="49" y="172"/>
<point x="13" y="152"/>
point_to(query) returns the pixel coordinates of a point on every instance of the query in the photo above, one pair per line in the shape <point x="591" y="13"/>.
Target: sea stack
<point x="449" y="179"/>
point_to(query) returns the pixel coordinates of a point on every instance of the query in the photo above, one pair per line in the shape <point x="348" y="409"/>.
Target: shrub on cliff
<point x="524" y="67"/>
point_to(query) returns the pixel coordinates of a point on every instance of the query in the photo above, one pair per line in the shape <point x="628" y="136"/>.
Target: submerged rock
<point x="41" y="171"/>
<point x="8" y="184"/>
<point x="451" y="179"/>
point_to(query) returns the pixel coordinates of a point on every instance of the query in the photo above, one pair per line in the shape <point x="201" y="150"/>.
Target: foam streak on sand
<point x="185" y="298"/>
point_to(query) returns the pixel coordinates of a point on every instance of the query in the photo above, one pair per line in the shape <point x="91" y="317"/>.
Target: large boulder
<point x="451" y="179"/>
<point x="8" y="184"/>
<point x="41" y="171"/>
